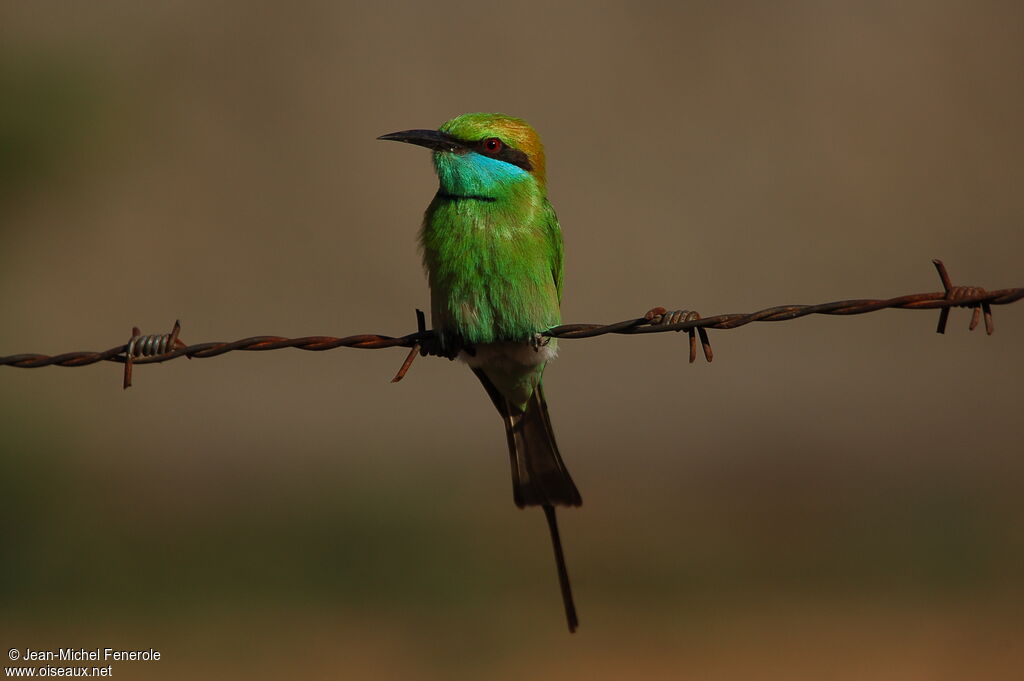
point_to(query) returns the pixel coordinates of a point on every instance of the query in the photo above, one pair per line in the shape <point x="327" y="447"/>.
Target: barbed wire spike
<point x="149" y="346"/>
<point x="957" y="293"/>
<point x="659" y="315"/>
<point x="421" y="330"/>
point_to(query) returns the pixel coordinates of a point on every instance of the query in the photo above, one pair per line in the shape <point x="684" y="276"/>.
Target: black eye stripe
<point x="507" y="154"/>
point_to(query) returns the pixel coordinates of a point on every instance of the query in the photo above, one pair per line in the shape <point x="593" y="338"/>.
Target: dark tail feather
<point x="563" y="573"/>
<point x="539" y="477"/>
<point x="538" y="474"/>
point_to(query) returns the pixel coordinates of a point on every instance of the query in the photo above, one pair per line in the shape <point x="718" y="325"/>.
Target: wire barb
<point x="152" y="345"/>
<point x="421" y="330"/>
<point x="955" y="294"/>
<point x="659" y="315"/>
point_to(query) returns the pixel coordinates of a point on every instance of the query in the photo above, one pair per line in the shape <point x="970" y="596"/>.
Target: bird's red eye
<point x="492" y="145"/>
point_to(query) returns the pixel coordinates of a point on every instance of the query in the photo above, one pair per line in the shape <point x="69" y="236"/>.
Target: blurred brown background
<point x="833" y="498"/>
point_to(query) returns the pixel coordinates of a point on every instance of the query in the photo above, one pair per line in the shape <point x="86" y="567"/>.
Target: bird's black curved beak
<point x="431" y="139"/>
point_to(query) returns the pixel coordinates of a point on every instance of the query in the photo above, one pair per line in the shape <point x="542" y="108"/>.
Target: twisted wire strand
<point x="782" y="313"/>
<point x="963" y="297"/>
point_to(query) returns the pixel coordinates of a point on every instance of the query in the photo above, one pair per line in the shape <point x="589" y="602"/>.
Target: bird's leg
<point x="659" y="316"/>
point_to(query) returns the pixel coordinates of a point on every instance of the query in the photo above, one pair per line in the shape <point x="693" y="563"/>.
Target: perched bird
<point x="492" y="248"/>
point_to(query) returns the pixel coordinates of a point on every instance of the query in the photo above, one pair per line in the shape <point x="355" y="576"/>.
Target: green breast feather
<point x="495" y="270"/>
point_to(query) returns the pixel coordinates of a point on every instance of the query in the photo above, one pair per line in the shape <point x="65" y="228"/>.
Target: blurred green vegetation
<point x="49" y="108"/>
<point x="147" y="549"/>
<point x="83" y="536"/>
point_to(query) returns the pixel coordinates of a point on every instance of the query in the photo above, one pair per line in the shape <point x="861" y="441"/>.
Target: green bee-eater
<point x="492" y="248"/>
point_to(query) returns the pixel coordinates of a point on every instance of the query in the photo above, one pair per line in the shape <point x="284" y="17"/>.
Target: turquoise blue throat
<point x="473" y="174"/>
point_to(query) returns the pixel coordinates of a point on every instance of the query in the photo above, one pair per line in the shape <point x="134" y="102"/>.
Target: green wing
<point x="555" y="248"/>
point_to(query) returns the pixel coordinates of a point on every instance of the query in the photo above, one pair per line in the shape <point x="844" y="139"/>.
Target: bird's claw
<point x="429" y="343"/>
<point x="539" y="341"/>
<point x="433" y="347"/>
<point x="659" y="316"/>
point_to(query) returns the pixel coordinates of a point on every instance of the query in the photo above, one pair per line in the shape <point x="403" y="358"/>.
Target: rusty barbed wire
<point x="149" y="346"/>
<point x="162" y="348"/>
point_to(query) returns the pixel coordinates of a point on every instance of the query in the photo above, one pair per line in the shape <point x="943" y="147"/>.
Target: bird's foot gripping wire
<point x="659" y="316"/>
<point x="429" y="343"/>
<point x="539" y="341"/>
